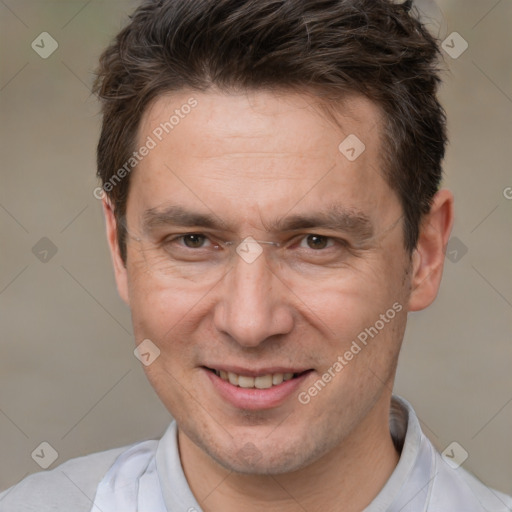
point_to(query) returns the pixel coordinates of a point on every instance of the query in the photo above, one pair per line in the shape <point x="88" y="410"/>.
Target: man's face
<point x="254" y="163"/>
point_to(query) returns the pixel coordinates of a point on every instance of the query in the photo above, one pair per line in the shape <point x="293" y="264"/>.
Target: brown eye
<point x="193" y="241"/>
<point x="317" y="241"/>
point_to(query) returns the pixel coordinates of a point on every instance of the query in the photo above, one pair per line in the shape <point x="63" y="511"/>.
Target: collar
<point x="410" y="485"/>
<point x="139" y="478"/>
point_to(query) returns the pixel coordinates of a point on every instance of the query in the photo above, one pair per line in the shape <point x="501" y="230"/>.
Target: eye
<point x="189" y="240"/>
<point x="193" y="241"/>
<point x="316" y="242"/>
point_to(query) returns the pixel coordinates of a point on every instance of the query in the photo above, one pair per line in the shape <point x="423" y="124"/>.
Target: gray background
<point x="68" y="375"/>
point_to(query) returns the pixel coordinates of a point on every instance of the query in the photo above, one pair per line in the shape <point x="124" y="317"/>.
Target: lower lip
<point x="255" y="399"/>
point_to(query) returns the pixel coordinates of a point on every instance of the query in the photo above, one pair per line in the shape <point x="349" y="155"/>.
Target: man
<point x="270" y="172"/>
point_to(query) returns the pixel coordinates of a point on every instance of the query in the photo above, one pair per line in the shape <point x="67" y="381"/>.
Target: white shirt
<point x="148" y="477"/>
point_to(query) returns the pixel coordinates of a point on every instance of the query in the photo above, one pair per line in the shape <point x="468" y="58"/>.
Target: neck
<point x="348" y="478"/>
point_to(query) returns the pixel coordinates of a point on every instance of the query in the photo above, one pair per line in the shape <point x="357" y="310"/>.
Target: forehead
<point x="239" y="118"/>
<point x="258" y="152"/>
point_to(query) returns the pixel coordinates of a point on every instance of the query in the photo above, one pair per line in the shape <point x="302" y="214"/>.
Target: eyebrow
<point x="335" y="218"/>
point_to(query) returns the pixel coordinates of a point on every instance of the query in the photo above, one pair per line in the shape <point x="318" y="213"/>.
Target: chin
<point x="249" y="462"/>
<point x="266" y="457"/>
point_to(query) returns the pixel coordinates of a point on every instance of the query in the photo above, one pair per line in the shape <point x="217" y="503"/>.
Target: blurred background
<point x="68" y="375"/>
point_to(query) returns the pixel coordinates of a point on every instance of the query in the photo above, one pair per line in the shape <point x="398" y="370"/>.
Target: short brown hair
<point x="377" y="48"/>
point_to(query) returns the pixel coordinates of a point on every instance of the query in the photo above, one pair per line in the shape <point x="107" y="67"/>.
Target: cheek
<point x="161" y="314"/>
<point x="156" y="308"/>
<point x="358" y="298"/>
<point x="363" y="316"/>
<point x="170" y="314"/>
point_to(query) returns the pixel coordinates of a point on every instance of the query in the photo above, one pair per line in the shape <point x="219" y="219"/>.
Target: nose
<point x="252" y="304"/>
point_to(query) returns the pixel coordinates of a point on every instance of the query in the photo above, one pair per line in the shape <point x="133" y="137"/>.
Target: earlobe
<point x="120" y="271"/>
<point x="428" y="257"/>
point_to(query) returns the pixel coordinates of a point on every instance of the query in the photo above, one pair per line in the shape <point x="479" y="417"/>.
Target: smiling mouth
<point x="261" y="382"/>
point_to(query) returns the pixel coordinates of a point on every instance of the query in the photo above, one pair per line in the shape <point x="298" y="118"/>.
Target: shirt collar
<point x="408" y="487"/>
<point x="178" y="495"/>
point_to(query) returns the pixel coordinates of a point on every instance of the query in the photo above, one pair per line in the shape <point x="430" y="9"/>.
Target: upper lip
<point x="252" y="372"/>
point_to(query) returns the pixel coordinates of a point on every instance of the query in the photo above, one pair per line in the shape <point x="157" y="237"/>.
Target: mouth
<point x="265" y="381"/>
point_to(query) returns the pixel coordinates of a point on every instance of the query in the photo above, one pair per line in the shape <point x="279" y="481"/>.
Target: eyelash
<point x="341" y="242"/>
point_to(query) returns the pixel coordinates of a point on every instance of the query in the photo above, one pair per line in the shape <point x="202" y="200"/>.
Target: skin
<point x="247" y="159"/>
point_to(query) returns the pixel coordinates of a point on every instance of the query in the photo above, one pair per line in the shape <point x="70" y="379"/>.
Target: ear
<point x="119" y="266"/>
<point x="428" y="257"/>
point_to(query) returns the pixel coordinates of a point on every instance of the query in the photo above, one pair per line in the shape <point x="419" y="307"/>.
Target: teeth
<point x="245" y="382"/>
<point x="277" y="378"/>
<point x="261" y="382"/>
